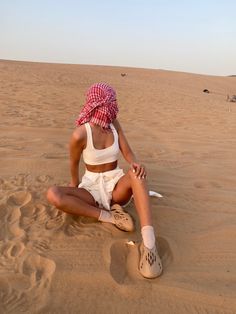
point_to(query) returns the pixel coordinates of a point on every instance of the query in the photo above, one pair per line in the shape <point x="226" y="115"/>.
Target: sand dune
<point x="51" y="262"/>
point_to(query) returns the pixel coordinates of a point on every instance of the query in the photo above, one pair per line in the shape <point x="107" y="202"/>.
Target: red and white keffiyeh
<point x="100" y="107"/>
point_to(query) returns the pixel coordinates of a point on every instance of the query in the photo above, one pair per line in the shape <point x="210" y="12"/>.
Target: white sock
<point x="105" y="216"/>
<point x="148" y="236"/>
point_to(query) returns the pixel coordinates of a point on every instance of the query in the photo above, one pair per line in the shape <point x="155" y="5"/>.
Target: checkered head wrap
<point x="100" y="107"/>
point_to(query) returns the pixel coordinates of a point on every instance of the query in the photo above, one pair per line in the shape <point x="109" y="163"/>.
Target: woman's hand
<point x="139" y="170"/>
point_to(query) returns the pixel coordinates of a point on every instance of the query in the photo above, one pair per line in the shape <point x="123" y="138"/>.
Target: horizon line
<point x="116" y="66"/>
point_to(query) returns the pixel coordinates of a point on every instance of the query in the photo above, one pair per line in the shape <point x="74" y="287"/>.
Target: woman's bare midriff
<point x="102" y="168"/>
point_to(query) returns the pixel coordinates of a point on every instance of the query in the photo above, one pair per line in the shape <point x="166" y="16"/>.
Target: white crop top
<point x="93" y="156"/>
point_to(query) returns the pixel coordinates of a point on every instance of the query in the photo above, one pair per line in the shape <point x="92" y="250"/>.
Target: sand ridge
<point x="51" y="262"/>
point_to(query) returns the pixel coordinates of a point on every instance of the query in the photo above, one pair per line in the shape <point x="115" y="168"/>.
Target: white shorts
<point x="100" y="185"/>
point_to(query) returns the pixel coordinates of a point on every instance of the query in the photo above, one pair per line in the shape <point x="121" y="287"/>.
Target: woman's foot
<point x="121" y="219"/>
<point x="150" y="265"/>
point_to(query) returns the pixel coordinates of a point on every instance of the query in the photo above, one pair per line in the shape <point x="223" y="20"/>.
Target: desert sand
<point x="52" y="262"/>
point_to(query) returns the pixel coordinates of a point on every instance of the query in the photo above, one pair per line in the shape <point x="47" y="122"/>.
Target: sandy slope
<point x="51" y="262"/>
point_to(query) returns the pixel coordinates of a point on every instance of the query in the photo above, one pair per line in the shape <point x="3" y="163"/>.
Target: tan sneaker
<point x="122" y="219"/>
<point x="150" y="265"/>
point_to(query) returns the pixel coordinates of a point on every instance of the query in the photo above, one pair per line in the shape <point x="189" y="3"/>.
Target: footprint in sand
<point x="11" y="300"/>
<point x="4" y="291"/>
<point x="11" y="254"/>
<point x="21" y="180"/>
<point x="43" y="178"/>
<point x="27" y="287"/>
<point x="13" y="213"/>
<point x="35" y="213"/>
<point x="39" y="270"/>
<point x="6" y="185"/>
<point x="41" y="214"/>
<point x="125" y="260"/>
<point x="118" y="267"/>
<point x="19" y="198"/>
<point x="13" y="249"/>
<point x="12" y="227"/>
<point x="165" y="252"/>
<point x="28" y="274"/>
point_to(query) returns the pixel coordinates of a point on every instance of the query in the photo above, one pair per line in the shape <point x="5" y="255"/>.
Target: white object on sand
<point x="151" y="193"/>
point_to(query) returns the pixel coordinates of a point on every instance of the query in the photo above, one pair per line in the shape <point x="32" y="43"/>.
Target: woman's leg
<point x="150" y="263"/>
<point x="128" y="185"/>
<point x="79" y="201"/>
<point x="72" y="200"/>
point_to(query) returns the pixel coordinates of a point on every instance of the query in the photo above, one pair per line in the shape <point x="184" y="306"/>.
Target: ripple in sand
<point x="55" y="223"/>
<point x="40" y="245"/>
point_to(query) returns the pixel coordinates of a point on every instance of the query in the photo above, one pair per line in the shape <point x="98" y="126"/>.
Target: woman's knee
<point x="131" y="174"/>
<point x="54" y="196"/>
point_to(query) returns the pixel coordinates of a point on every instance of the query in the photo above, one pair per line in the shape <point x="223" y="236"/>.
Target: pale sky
<point x="181" y="35"/>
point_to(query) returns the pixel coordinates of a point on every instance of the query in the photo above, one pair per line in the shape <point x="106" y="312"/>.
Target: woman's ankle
<point x="148" y="236"/>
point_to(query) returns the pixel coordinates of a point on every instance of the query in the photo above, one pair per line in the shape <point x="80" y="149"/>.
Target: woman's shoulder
<point x="117" y="125"/>
<point x="79" y="134"/>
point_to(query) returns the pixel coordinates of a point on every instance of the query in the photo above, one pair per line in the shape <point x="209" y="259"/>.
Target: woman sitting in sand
<point x="104" y="186"/>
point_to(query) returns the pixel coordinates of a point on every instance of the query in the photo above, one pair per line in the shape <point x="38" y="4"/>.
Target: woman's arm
<point x="76" y="148"/>
<point x="128" y="153"/>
